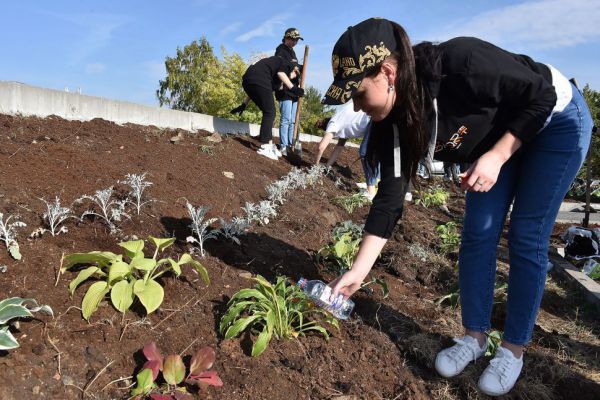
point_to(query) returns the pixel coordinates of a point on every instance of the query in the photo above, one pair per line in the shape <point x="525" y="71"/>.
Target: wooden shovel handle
<point x="296" y="128"/>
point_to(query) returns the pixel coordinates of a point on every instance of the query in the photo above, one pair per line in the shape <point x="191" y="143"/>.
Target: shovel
<point x="297" y="144"/>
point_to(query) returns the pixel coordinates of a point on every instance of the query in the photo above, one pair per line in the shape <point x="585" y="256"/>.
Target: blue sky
<point x="116" y="49"/>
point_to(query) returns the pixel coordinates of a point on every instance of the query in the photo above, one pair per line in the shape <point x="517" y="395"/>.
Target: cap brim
<point x="341" y="90"/>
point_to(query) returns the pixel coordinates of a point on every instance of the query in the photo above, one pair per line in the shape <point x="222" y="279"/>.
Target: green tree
<point x="312" y="111"/>
<point x="185" y="85"/>
<point x="592" y="97"/>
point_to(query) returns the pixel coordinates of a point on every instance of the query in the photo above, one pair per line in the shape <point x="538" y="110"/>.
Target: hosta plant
<point x="449" y="237"/>
<point x="12" y="309"/>
<point x="279" y="310"/>
<point x="8" y="234"/>
<point x="200" y="226"/>
<point x="176" y="381"/>
<point x="126" y="277"/>
<point x="138" y="184"/>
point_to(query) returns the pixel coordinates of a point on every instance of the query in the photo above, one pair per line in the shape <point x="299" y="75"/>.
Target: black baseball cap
<point x="360" y="48"/>
<point x="292" y="33"/>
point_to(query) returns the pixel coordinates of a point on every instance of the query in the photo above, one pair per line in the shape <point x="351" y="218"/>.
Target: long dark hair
<point x="415" y="68"/>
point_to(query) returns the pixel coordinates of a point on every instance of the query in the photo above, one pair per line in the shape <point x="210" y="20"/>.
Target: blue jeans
<point x="371" y="175"/>
<point x="287" y="110"/>
<point x="537" y="179"/>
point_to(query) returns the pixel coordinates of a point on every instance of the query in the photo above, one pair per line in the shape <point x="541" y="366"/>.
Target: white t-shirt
<point x="347" y="124"/>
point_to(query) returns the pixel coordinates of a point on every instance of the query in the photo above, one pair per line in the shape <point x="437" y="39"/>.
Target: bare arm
<point x="336" y="152"/>
<point x="286" y="81"/>
<point x="323" y="145"/>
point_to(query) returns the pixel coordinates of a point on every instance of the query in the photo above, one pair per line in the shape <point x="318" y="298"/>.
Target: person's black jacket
<point x="263" y="73"/>
<point x="288" y="54"/>
<point x="483" y="92"/>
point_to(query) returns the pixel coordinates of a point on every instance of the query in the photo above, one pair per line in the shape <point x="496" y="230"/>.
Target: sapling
<point x="200" y="226"/>
<point x="174" y="374"/>
<point x="138" y="184"/>
<point x="13" y="308"/>
<point x="231" y="230"/>
<point x="8" y="234"/>
<point x="111" y="210"/>
<point x="55" y="215"/>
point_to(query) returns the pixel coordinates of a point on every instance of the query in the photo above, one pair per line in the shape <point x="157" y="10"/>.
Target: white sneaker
<point x="502" y="373"/>
<point x="451" y="361"/>
<point x="266" y="145"/>
<point x="268" y="152"/>
<point x="361" y="185"/>
<point x="276" y="150"/>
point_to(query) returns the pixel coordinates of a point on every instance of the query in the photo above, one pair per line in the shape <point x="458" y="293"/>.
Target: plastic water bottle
<point x="320" y="293"/>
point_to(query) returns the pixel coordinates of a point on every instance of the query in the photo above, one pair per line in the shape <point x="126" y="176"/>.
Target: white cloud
<point x="95" y="68"/>
<point x="267" y="28"/>
<point x="541" y="24"/>
<point x="233" y="27"/>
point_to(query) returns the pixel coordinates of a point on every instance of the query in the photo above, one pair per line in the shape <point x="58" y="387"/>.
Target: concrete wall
<point x="19" y="98"/>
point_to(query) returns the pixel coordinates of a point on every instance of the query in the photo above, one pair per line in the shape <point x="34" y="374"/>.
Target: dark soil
<point x="385" y="351"/>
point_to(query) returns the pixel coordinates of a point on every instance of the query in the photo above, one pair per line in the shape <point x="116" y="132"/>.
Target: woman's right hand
<point x="346" y="284"/>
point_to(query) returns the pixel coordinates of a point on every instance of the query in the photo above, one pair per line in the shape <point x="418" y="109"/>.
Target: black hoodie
<point x="483" y="92"/>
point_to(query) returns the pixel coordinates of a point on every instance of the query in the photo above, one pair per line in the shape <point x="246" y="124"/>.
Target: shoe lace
<point x="500" y="366"/>
<point x="462" y="350"/>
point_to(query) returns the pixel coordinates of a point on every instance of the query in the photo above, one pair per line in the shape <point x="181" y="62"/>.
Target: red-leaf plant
<point x="173" y="373"/>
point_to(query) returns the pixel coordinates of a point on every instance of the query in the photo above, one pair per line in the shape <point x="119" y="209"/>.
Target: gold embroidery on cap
<point x="335" y="64"/>
<point x="374" y="55"/>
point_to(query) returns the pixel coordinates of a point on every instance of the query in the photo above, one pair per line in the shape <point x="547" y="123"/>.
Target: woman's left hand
<point x="483" y="174"/>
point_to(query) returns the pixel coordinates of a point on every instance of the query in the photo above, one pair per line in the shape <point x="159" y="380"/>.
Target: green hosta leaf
<point x="261" y="343"/>
<point x="145" y="264"/>
<point x="118" y="270"/>
<point x="102" y="258"/>
<point x="232" y="314"/>
<point x="162" y="243"/>
<point x="14" y="251"/>
<point x="13" y="300"/>
<point x="121" y="295"/>
<point x="150" y="294"/>
<point x="173" y="369"/>
<point x="145" y="383"/>
<point x="133" y="248"/>
<point x="175" y="266"/>
<point x="12" y="311"/>
<point x="199" y="268"/>
<point x="82" y="276"/>
<point x="92" y="298"/>
<point x="240" y="325"/>
<point x="7" y="340"/>
<point x="246" y="294"/>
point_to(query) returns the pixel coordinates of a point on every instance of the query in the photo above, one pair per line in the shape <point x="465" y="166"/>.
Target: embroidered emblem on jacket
<point x="455" y="140"/>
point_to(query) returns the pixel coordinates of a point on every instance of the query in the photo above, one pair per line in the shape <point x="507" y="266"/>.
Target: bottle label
<point x="325" y="295"/>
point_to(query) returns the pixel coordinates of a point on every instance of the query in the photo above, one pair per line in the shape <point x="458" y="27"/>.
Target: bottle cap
<point x="301" y="283"/>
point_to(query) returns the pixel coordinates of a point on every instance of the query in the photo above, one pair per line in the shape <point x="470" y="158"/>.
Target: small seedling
<point x="126" y="281"/>
<point x="352" y="202"/>
<point x="200" y="226"/>
<point x="176" y="382"/>
<point x="8" y="234"/>
<point x="281" y="310"/>
<point x="138" y="184"/>
<point x="231" y="230"/>
<point x="110" y="210"/>
<point x="493" y="339"/>
<point x="14" y="308"/>
<point x="207" y="149"/>
<point x="434" y="196"/>
<point x="449" y="237"/>
<point x="55" y="215"/>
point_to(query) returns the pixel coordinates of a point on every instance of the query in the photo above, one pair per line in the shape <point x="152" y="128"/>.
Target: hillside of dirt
<point x="384" y="351"/>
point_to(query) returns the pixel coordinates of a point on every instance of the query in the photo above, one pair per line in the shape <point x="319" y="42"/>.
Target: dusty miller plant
<point x="8" y="234"/>
<point x="110" y="210"/>
<point x="200" y="233"/>
<point x="138" y="184"/>
<point x="55" y="215"/>
<point x="232" y="230"/>
<point x="315" y="173"/>
<point x="277" y="190"/>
